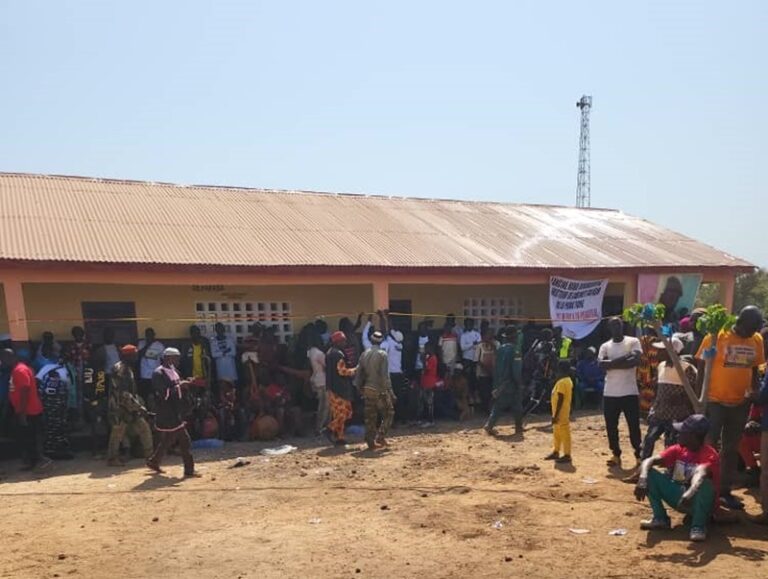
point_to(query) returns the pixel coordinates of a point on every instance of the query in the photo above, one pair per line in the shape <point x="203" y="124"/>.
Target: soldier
<point x="372" y="379"/>
<point x="54" y="383"/>
<point x="507" y="381"/>
<point x="126" y="411"/>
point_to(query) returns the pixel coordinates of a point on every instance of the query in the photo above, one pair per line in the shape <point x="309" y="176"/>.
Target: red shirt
<point x="275" y="392"/>
<point x="429" y="374"/>
<point x="22" y="377"/>
<point x="682" y="462"/>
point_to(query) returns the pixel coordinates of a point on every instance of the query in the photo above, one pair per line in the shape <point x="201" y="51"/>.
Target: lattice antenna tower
<point x="584" y="178"/>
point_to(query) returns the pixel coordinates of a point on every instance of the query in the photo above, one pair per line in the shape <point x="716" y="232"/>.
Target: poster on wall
<point x="576" y="305"/>
<point x="676" y="291"/>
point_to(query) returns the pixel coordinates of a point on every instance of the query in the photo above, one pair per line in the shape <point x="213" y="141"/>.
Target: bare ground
<point x="450" y="502"/>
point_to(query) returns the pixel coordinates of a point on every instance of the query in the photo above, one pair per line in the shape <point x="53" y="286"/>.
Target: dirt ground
<point x="448" y="502"/>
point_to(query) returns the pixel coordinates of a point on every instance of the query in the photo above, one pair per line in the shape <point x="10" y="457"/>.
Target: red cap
<point x="338" y="337"/>
<point x="129" y="349"/>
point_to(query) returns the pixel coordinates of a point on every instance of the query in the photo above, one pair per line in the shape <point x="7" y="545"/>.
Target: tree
<point x="709" y="294"/>
<point x="752" y="290"/>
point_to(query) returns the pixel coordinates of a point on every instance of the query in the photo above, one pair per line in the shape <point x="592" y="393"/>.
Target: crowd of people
<point x="148" y="398"/>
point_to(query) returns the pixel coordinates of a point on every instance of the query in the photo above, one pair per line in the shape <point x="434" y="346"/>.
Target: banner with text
<point x="576" y="305"/>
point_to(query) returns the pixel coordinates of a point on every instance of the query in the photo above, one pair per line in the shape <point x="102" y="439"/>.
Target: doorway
<point x="120" y="316"/>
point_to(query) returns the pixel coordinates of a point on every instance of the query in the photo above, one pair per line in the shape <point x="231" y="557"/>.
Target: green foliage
<point x="633" y="314"/>
<point x="752" y="290"/>
<point x="648" y="315"/>
<point x="709" y="295"/>
<point x="715" y="319"/>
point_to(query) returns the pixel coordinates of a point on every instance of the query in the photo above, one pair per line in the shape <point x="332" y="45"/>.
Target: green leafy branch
<point x="645" y="316"/>
<point x="715" y="319"/>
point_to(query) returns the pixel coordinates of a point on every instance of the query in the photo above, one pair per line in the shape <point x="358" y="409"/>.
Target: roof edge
<point x="293" y="191"/>
<point x="298" y="270"/>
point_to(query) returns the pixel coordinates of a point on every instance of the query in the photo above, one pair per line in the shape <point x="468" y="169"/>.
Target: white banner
<point x="576" y="305"/>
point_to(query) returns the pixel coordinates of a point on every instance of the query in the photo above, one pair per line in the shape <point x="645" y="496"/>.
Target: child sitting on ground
<point x="562" y="395"/>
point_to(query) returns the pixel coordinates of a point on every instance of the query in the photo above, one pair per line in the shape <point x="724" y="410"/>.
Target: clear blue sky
<point x="471" y="100"/>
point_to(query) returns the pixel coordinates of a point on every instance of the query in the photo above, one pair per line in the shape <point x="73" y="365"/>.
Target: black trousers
<point x="613" y="407"/>
<point x="29" y="440"/>
<point x="401" y="388"/>
<point x="485" y="387"/>
<point x="167" y="441"/>
<point x="470" y="371"/>
<point x="655" y="431"/>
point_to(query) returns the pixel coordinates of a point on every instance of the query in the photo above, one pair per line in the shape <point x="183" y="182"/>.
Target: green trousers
<point x="662" y="489"/>
<point x="379" y="413"/>
<point x="138" y="428"/>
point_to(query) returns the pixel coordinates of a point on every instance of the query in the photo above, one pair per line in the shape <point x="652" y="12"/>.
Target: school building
<point x="130" y="254"/>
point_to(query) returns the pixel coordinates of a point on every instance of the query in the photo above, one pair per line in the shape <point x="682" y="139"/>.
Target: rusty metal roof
<point x="79" y="219"/>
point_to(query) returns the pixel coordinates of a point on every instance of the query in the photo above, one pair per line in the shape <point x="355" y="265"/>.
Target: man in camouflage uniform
<point x="508" y="380"/>
<point x="126" y="410"/>
<point x="373" y="380"/>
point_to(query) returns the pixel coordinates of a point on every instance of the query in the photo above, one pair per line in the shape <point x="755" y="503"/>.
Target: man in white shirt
<point x="469" y="340"/>
<point x="393" y="346"/>
<point x="449" y="348"/>
<point x="223" y="351"/>
<point x="108" y="353"/>
<point x="150" y="356"/>
<point x="619" y="357"/>
<point x="421" y="344"/>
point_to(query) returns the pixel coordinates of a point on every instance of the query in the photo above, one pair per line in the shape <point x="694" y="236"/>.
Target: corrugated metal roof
<point x="60" y="218"/>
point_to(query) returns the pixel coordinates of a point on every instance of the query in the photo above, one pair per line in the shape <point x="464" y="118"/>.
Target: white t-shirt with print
<point x="620" y="382"/>
<point x="317" y="361"/>
<point x="469" y="341"/>
<point x="151" y="359"/>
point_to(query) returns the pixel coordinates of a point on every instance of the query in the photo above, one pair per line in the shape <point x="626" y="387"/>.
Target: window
<point x="238" y="317"/>
<point x="495" y="310"/>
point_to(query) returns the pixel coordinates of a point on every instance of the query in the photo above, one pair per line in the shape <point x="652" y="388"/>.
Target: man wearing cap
<point x="507" y="380"/>
<point x="690" y="484"/>
<point x="126" y="410"/>
<point x="734" y="377"/>
<point x="170" y="422"/>
<point x="372" y="379"/>
<point x="338" y="381"/>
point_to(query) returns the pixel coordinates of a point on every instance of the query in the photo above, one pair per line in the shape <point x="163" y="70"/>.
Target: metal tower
<point x="583" y="180"/>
